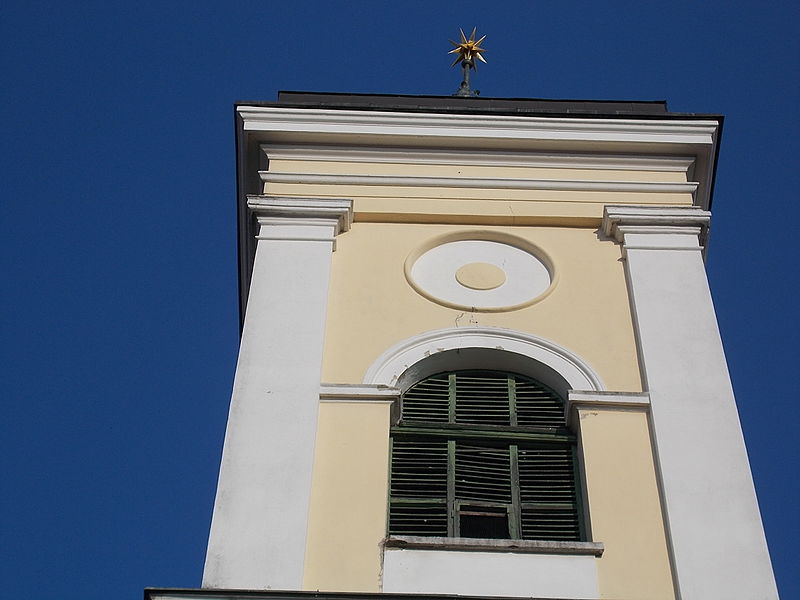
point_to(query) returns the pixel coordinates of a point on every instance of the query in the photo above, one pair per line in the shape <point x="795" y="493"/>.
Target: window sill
<point x="492" y="545"/>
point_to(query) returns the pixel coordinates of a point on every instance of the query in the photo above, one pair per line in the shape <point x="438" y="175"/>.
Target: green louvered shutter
<point x="537" y="405"/>
<point x="482" y="398"/>
<point x="549" y="509"/>
<point x="483" y="454"/>
<point x="482" y="474"/>
<point x="418" y="488"/>
<point x="428" y="401"/>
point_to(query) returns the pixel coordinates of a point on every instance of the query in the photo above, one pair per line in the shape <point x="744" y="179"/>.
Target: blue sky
<point x="117" y="225"/>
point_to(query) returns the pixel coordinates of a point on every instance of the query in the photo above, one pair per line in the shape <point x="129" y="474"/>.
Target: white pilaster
<point x="258" y="531"/>
<point x="717" y="541"/>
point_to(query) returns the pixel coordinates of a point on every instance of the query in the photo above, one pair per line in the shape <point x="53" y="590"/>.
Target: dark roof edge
<point x="510" y="113"/>
<point x="451" y="97"/>
<point x="721" y="120"/>
<point x="150" y="593"/>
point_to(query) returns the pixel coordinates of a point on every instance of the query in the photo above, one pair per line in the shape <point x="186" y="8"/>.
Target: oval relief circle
<point x="481" y="276"/>
<point x="474" y="273"/>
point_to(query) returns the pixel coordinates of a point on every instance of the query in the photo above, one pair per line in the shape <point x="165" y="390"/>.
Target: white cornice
<point x="482" y="158"/>
<point x="549" y="141"/>
<point x="427" y="125"/>
<point x="480" y="182"/>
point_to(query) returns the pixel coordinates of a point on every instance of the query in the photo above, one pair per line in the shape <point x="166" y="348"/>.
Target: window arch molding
<point x="418" y="357"/>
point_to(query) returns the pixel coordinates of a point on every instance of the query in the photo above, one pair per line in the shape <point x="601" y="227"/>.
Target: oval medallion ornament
<point x="482" y="275"/>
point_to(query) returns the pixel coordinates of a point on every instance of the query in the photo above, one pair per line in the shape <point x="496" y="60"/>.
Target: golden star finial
<point x="468" y="50"/>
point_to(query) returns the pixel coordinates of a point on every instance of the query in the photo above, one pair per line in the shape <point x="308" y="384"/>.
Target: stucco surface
<point x="379" y="200"/>
<point x="372" y="306"/>
<point x="347" y="517"/>
<point x="623" y="496"/>
<point x="433" y="170"/>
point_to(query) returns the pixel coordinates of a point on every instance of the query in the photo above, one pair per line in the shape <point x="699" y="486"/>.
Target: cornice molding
<point x="300" y="120"/>
<point x="480" y="158"/>
<point x="480" y="182"/>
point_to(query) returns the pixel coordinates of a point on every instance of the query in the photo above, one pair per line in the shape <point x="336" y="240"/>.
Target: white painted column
<point x="258" y="531"/>
<point x="718" y="548"/>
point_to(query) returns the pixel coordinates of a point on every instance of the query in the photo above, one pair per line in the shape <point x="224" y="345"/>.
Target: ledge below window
<point x="492" y="545"/>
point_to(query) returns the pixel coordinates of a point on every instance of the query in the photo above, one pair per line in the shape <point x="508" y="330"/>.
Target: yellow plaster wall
<point x="347" y="516"/>
<point x="372" y="306"/>
<point x="394" y="197"/>
<point x="625" y="506"/>
<point x="375" y="202"/>
<point x="451" y="170"/>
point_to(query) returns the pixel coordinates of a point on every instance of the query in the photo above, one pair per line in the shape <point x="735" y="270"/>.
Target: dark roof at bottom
<point x="214" y="594"/>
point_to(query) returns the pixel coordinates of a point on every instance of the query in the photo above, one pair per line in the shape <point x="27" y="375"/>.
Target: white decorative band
<point x="597" y="398"/>
<point x="483" y="158"/>
<point x="481" y="182"/>
<point x="697" y="248"/>
<point x="297" y="238"/>
<point x="646" y="228"/>
<point x="334" y="392"/>
<point x="385" y="123"/>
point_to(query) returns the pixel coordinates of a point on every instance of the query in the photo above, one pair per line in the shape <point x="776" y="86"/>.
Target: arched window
<point x="483" y="454"/>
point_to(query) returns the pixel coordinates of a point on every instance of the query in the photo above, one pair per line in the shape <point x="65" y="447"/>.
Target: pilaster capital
<point x="657" y="227"/>
<point x="338" y="209"/>
<point x="301" y="219"/>
<point x="597" y="400"/>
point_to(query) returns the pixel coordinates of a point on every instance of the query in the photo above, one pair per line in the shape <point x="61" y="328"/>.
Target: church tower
<point x="479" y="357"/>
